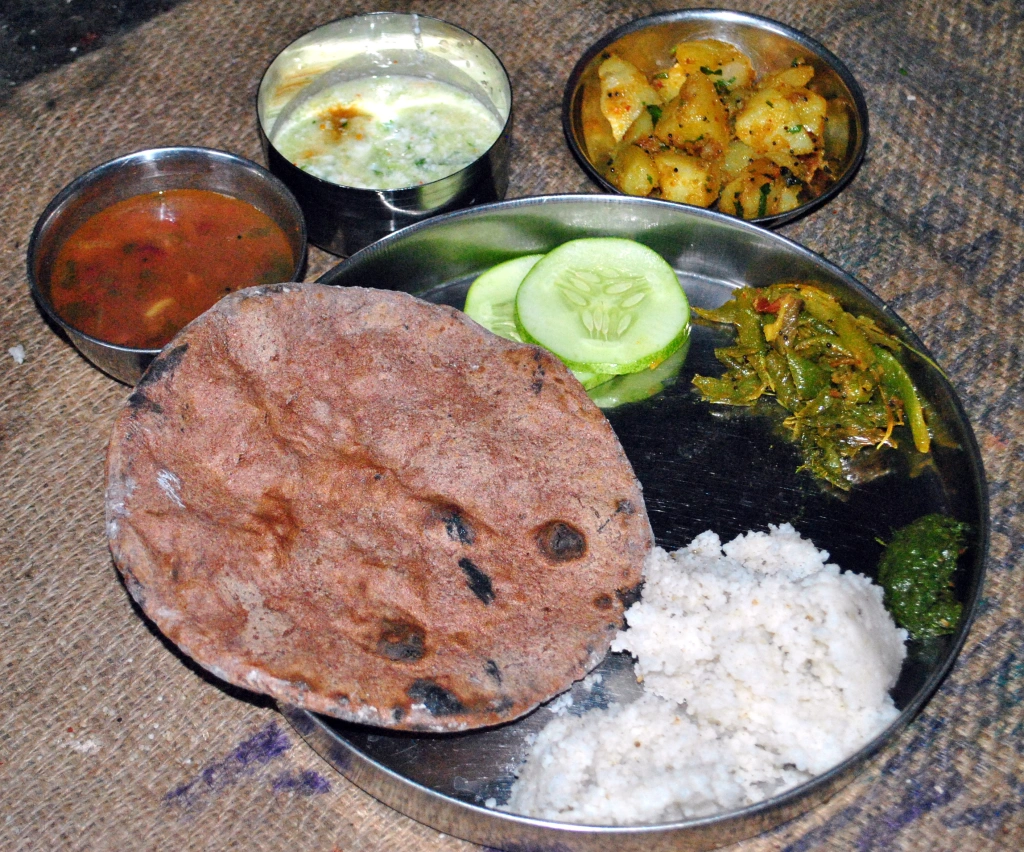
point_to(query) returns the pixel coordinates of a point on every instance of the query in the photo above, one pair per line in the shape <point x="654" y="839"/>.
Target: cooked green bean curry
<point x="838" y="375"/>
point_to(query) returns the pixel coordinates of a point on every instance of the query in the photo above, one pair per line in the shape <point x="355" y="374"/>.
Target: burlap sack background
<point x="110" y="740"/>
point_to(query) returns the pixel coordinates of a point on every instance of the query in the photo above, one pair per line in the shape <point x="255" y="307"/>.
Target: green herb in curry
<point x="916" y="571"/>
<point x="835" y="373"/>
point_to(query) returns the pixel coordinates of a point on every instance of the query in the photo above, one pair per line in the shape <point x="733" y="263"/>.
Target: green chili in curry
<point x="838" y="375"/>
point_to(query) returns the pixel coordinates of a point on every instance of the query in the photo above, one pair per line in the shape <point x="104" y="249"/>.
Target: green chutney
<point x="916" y="571"/>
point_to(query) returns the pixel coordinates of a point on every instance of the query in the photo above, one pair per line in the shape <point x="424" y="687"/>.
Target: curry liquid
<point x="137" y="272"/>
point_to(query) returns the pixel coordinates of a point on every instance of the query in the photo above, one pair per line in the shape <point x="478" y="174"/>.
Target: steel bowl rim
<point x="729" y="16"/>
<point x="96" y="173"/>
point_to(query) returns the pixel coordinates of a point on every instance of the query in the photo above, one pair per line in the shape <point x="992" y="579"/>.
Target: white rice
<point x="762" y="665"/>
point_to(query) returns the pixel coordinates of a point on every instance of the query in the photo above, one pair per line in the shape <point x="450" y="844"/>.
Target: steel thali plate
<point x="701" y="467"/>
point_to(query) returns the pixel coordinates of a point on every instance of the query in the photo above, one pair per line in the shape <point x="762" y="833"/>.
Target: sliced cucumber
<point x="591" y="380"/>
<point x="603" y="305"/>
<point x="491" y="299"/>
<point x="636" y="387"/>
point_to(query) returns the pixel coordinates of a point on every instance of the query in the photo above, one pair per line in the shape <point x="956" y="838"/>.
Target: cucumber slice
<point x="491" y="299"/>
<point x="591" y="380"/>
<point x="636" y="387"/>
<point x="603" y="305"/>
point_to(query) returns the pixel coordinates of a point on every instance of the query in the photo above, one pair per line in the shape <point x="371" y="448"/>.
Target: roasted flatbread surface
<point x="367" y="505"/>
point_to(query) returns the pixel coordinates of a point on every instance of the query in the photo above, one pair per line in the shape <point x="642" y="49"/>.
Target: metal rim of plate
<point x="699" y="244"/>
<point x="728" y="25"/>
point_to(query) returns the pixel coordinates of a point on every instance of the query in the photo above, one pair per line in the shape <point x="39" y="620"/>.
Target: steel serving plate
<point x="701" y="468"/>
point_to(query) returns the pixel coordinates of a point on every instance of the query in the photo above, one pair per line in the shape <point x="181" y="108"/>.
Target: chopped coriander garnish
<point x="762" y="204"/>
<point x="655" y="112"/>
<point x="705" y="70"/>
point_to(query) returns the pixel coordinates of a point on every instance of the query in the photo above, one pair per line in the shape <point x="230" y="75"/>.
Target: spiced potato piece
<point x="625" y="94"/>
<point x="695" y="121"/>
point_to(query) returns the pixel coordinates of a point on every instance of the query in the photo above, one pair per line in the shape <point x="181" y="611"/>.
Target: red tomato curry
<point x="138" y="271"/>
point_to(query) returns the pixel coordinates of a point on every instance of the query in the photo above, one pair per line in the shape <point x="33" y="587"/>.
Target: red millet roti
<point x="367" y="505"/>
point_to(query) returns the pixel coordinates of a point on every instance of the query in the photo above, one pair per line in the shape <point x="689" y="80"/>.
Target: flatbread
<point x="367" y="505"/>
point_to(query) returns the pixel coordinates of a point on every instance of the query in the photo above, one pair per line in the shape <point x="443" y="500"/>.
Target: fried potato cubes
<point x="705" y="131"/>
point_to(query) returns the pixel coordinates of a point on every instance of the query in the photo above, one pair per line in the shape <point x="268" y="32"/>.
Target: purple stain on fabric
<point x="991" y="818"/>
<point x="922" y="796"/>
<point x="266" y="745"/>
<point x="307" y="783"/>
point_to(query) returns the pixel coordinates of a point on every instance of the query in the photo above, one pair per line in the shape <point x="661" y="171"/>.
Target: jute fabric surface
<point x="110" y="739"/>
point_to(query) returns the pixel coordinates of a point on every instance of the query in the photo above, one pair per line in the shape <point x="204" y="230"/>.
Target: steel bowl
<point x="771" y="46"/>
<point x="343" y="219"/>
<point x="702" y="467"/>
<point x="138" y="174"/>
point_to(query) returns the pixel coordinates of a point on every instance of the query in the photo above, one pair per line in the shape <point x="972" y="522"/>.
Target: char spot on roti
<point x="561" y="542"/>
<point x="457" y="527"/>
<point x="370" y="494"/>
<point x="165" y="364"/>
<point x="479" y="583"/>
<point x="139" y="400"/>
<point x="401" y="641"/>
<point x="626" y="507"/>
<point x="437" y="700"/>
